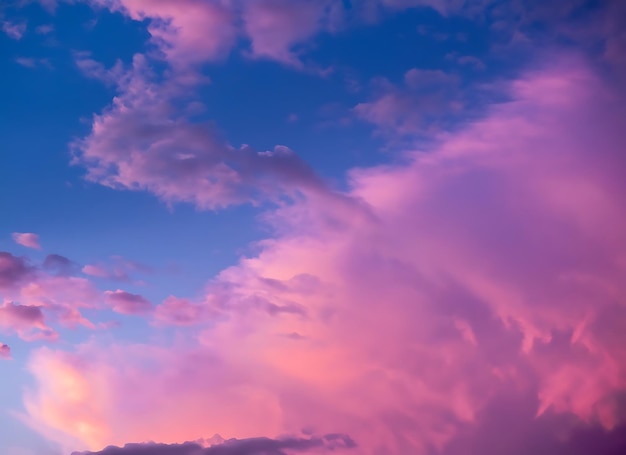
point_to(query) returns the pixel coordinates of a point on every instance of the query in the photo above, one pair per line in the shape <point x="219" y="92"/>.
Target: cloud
<point x="142" y="142"/>
<point x="503" y="246"/>
<point x="426" y="102"/>
<point x="48" y="288"/>
<point x="45" y="29"/>
<point x="509" y="425"/>
<point x="27" y="239"/>
<point x="186" y="32"/>
<point x="5" y="351"/>
<point x="96" y="70"/>
<point x="14" y="30"/>
<point x="13" y="270"/>
<point x="59" y="265"/>
<point x="116" y="269"/>
<point x="25" y="320"/>
<point x="30" y="62"/>
<point x="183" y="312"/>
<point x="126" y="303"/>
<point x="249" y="446"/>
<point x="62" y="297"/>
<point x="100" y="271"/>
<point x="275" y="27"/>
<point x="49" y="5"/>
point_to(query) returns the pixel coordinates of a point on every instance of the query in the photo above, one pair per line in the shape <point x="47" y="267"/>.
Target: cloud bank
<point x="503" y="246"/>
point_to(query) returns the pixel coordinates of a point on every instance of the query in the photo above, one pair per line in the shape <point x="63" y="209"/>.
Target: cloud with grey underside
<point x="249" y="446"/>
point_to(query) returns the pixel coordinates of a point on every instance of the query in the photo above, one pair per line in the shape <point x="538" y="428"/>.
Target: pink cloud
<point x="183" y="312"/>
<point x="5" y="351"/>
<point x="503" y="246"/>
<point x="126" y="303"/>
<point x="50" y="289"/>
<point x="62" y="297"/>
<point x="275" y="27"/>
<point x="25" y="320"/>
<point x="27" y="239"/>
<point x="186" y="32"/>
<point x="116" y="269"/>
<point x="102" y="272"/>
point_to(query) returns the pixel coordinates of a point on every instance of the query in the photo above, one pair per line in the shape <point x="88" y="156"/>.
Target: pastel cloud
<point x="25" y="320"/>
<point x="187" y="32"/>
<point x="50" y="290"/>
<point x="274" y="27"/>
<point x="145" y="139"/>
<point x="102" y="272"/>
<point x="504" y="246"/>
<point x="126" y="303"/>
<point x="142" y="142"/>
<point x="184" y="312"/>
<point x="27" y="239"/>
<point x="5" y="351"/>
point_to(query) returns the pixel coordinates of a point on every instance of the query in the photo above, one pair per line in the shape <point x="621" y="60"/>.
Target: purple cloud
<point x="14" y="30"/>
<point x="25" y="320"/>
<point x="126" y="303"/>
<point x="250" y="446"/>
<point x="425" y="101"/>
<point x="142" y="142"/>
<point x="59" y="265"/>
<point x="13" y="270"/>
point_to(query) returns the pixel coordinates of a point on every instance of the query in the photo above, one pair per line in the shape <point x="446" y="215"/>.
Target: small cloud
<point x="13" y="270"/>
<point x="5" y="352"/>
<point x="119" y="269"/>
<point x="49" y="5"/>
<point x="44" y="29"/>
<point x="292" y="118"/>
<point x="27" y="239"/>
<point x="14" y="30"/>
<point x="96" y="70"/>
<point x="30" y="62"/>
<point x="126" y="303"/>
<point x="59" y="265"/>
<point x="27" y="321"/>
<point x="100" y="271"/>
<point x="470" y="60"/>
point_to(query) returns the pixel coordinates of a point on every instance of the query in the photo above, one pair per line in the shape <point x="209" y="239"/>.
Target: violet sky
<point x="279" y="227"/>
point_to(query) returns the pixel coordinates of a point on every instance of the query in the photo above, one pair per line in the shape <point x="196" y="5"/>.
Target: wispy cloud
<point x="14" y="30"/>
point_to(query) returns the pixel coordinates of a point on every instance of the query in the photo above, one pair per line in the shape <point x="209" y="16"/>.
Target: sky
<point x="280" y="227"/>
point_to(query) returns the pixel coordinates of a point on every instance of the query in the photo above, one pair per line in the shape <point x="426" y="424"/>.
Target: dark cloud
<point x="509" y="425"/>
<point x="59" y="265"/>
<point x="13" y="270"/>
<point x="250" y="446"/>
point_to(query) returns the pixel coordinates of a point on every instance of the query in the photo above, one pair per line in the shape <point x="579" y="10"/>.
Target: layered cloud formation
<point x="402" y="312"/>
<point x="467" y="297"/>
